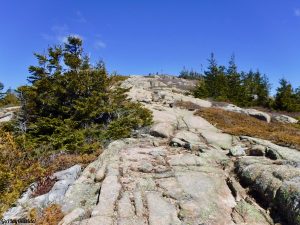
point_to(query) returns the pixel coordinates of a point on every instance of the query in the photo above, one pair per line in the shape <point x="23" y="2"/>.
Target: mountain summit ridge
<point x="182" y="170"/>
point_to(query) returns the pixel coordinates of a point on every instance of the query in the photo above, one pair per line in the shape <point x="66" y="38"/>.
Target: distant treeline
<point x="8" y="98"/>
<point x="245" y="89"/>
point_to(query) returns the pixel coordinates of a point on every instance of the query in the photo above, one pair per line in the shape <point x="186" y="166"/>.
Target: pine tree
<point x="190" y="74"/>
<point x="227" y="84"/>
<point x="1" y="90"/>
<point x="71" y="104"/>
<point x="256" y="89"/>
<point x="234" y="82"/>
<point x="210" y="76"/>
<point x="285" y="98"/>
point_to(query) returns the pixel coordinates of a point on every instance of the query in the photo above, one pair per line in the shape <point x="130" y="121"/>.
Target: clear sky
<point x="141" y="37"/>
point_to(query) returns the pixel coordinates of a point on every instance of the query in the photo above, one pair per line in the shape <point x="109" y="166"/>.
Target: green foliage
<point x="245" y="89"/>
<point x="255" y="89"/>
<point x="134" y="116"/>
<point x="69" y="109"/>
<point x="227" y="84"/>
<point x="16" y="173"/>
<point x="190" y="74"/>
<point x="8" y="98"/>
<point x="1" y="89"/>
<point x="72" y="106"/>
<point x="234" y="92"/>
<point x="287" y="99"/>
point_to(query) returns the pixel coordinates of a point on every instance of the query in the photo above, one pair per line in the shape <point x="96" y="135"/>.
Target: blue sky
<point x="141" y="37"/>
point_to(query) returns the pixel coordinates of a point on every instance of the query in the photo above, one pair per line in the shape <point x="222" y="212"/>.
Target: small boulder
<point x="284" y="119"/>
<point x="256" y="150"/>
<point x="6" y="117"/>
<point x="288" y="200"/>
<point x="100" y="175"/>
<point x="250" y="112"/>
<point x="163" y="130"/>
<point x="77" y="213"/>
<point x="272" y="154"/>
<point x="237" y="151"/>
<point x="188" y="136"/>
<point x="219" y="139"/>
<point x="176" y="142"/>
<point x="145" y="167"/>
<point x="258" y="115"/>
<point x="69" y="174"/>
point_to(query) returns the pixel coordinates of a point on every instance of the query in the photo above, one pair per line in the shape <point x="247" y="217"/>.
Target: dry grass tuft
<point x="186" y="105"/>
<point x="44" y="185"/>
<point x="17" y="171"/>
<point x="239" y="124"/>
<point x="64" y="161"/>
<point x="51" y="215"/>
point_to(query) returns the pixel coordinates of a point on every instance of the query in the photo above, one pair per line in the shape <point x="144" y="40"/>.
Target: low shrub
<point x="72" y="105"/>
<point x="240" y="124"/>
<point x="69" y="110"/>
<point x="18" y="170"/>
<point x="51" y="215"/>
<point x="186" y="105"/>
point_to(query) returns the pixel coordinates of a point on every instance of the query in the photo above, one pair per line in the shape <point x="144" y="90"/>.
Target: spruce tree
<point x="1" y="90"/>
<point x="72" y="105"/>
<point x="211" y="76"/>
<point x="234" y="82"/>
<point x="285" y="98"/>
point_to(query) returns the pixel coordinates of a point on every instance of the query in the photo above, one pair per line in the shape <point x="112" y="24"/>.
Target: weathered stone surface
<point x="284" y="119"/>
<point x="161" y="212"/>
<point x="277" y="184"/>
<point x="286" y="153"/>
<point x="98" y="220"/>
<point x="186" y="160"/>
<point x="288" y="200"/>
<point x="211" y="201"/>
<point x="139" y="206"/>
<point x="219" y="139"/>
<point x="237" y="151"/>
<point x="56" y="195"/>
<point x="250" y="112"/>
<point x="145" y="167"/>
<point x="177" y="142"/>
<point x="258" y="115"/>
<point x="69" y="174"/>
<point x="7" y="114"/>
<point x="76" y="214"/>
<point x="100" y="174"/>
<point x="146" y="180"/>
<point x="188" y="136"/>
<point x="256" y="150"/>
<point x="109" y="194"/>
<point x="125" y="207"/>
<point x="5" y="117"/>
<point x="159" y="90"/>
<point x="163" y="130"/>
<point x="246" y="213"/>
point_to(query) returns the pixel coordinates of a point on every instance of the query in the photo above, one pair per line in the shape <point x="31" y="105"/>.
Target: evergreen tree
<point x="297" y="95"/>
<point x="234" y="82"/>
<point x="1" y="90"/>
<point x="256" y="88"/>
<point x="285" y="98"/>
<point x="72" y="105"/>
<point x="215" y="80"/>
<point x="227" y="84"/>
<point x="8" y="98"/>
<point x="190" y="74"/>
<point x="211" y="75"/>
